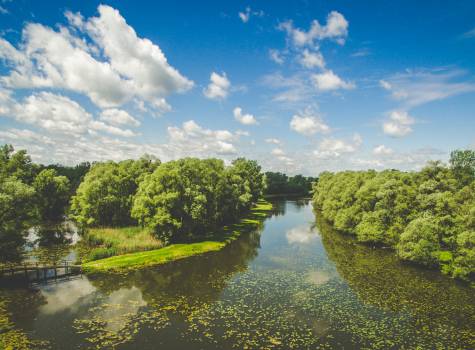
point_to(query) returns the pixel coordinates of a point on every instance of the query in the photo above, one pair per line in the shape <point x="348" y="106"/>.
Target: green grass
<point x="213" y="242"/>
<point x="110" y="241"/>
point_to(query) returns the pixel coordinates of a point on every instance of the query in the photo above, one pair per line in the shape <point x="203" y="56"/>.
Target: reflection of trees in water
<point x="301" y="202"/>
<point x="51" y="243"/>
<point x="379" y="278"/>
<point x="278" y="207"/>
<point x="201" y="277"/>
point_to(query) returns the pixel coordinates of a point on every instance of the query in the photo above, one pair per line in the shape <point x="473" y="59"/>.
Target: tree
<point x="462" y="163"/>
<point x="420" y="241"/>
<point x="52" y="195"/>
<point x="188" y="198"/>
<point x="105" y="196"/>
<point x="16" y="213"/>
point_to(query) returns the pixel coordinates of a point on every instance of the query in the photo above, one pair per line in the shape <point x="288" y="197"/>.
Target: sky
<point x="299" y="86"/>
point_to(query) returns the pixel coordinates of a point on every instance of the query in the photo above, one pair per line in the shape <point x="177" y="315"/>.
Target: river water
<point x="294" y="283"/>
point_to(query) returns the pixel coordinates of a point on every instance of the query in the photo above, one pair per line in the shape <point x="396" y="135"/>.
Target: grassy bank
<point x="213" y="242"/>
<point x="110" y="241"/>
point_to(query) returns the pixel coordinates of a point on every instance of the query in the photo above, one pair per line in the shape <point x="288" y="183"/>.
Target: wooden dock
<point x="30" y="274"/>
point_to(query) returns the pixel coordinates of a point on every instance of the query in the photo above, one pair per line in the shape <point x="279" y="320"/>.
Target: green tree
<point x="462" y="163"/>
<point x="52" y="195"/>
<point x="105" y="196"/>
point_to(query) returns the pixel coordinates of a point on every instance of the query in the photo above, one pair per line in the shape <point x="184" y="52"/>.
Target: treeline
<point x="428" y="217"/>
<point x="281" y="184"/>
<point x="176" y="200"/>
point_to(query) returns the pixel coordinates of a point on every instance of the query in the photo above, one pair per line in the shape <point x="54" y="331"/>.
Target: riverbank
<point x="174" y="252"/>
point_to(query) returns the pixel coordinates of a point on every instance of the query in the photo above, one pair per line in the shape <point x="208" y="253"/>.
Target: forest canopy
<point x="428" y="217"/>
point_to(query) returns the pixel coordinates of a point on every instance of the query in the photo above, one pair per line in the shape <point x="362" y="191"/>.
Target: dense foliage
<point x="192" y="196"/>
<point x="27" y="195"/>
<point x="428" y="217"/>
<point x="281" y="184"/>
<point x="105" y="196"/>
<point x="51" y="195"/>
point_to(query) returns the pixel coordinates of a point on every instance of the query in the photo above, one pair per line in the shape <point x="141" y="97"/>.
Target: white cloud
<point x="273" y="141"/>
<point x="246" y="119"/>
<point x="132" y="66"/>
<point x="336" y="29"/>
<point x="329" y="81"/>
<point x="382" y="150"/>
<point x="116" y="116"/>
<point x="192" y="139"/>
<point x="278" y="152"/>
<point x="333" y="148"/>
<point x="399" y="124"/>
<point x="415" y="88"/>
<point x="101" y="126"/>
<point x="57" y="114"/>
<point x="245" y="15"/>
<point x="276" y="56"/>
<point x="312" y="59"/>
<point x="308" y="123"/>
<point x="218" y="88"/>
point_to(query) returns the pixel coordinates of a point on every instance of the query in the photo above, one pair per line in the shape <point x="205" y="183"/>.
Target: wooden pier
<point x="30" y="274"/>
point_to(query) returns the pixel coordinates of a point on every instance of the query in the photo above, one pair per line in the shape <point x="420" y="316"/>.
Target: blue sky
<point x="301" y="86"/>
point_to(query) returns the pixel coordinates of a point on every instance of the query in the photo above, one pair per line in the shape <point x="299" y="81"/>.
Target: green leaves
<point x="427" y="216"/>
<point x="188" y="198"/>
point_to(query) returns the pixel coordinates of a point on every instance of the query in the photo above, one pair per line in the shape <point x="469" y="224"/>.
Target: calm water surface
<point x="292" y="284"/>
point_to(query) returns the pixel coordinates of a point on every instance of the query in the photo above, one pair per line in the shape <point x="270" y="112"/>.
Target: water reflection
<point x="200" y="277"/>
<point x="51" y="243"/>
<point x="65" y="296"/>
<point x="301" y="234"/>
<point x="381" y="280"/>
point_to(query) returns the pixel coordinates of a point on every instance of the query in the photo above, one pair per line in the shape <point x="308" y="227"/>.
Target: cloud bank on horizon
<point x="300" y="95"/>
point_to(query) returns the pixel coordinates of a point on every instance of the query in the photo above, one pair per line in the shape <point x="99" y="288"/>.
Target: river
<point x="294" y="283"/>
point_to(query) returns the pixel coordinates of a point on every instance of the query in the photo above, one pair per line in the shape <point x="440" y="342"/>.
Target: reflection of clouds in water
<point x="65" y="295"/>
<point x="121" y="306"/>
<point x="318" y="277"/>
<point x="301" y="234"/>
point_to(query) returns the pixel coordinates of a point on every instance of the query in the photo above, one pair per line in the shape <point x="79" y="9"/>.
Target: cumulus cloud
<point x="131" y="67"/>
<point x="118" y="117"/>
<point x="333" y="148"/>
<point x="246" y="119"/>
<point x="335" y="29"/>
<point x="193" y="139"/>
<point x="218" y="87"/>
<point x="329" y="81"/>
<point x="308" y="123"/>
<point x="399" y="124"/>
<point x="382" y="150"/>
<point x="57" y="114"/>
<point x="312" y="59"/>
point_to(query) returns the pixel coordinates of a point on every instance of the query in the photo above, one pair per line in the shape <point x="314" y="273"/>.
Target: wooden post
<point x="37" y="273"/>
